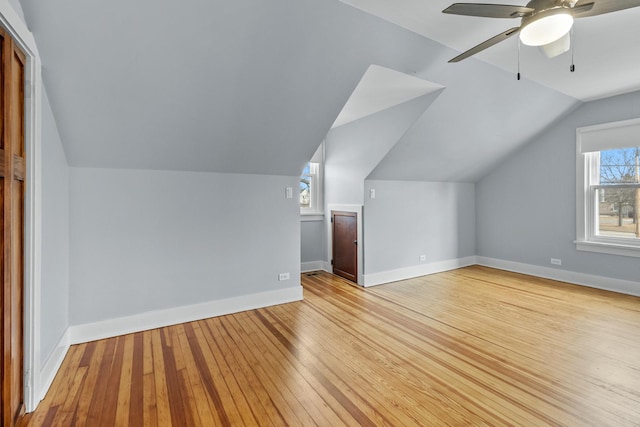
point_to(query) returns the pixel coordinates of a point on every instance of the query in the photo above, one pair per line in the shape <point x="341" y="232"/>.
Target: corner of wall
<point x="51" y="367"/>
<point x="383" y="277"/>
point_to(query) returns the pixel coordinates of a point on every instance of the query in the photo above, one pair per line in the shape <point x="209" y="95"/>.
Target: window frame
<point x="588" y="181"/>
<point x="315" y="188"/>
<point x="315" y="211"/>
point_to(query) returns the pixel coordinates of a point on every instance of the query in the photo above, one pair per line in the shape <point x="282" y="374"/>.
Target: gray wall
<point x="526" y="206"/>
<point x="149" y="240"/>
<point x="353" y="150"/>
<point x="54" y="317"/>
<point x="409" y="218"/>
<point x="15" y="4"/>
<point x="312" y="241"/>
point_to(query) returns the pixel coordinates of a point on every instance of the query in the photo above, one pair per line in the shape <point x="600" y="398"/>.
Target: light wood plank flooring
<point x="474" y="346"/>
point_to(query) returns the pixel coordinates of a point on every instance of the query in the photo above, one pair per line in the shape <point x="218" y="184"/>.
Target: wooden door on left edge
<point x="12" y="175"/>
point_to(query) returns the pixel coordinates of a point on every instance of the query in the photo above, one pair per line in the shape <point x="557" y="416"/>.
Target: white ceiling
<point x="379" y="89"/>
<point x="606" y="51"/>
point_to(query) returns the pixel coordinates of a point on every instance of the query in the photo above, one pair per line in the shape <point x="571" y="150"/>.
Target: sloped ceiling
<point x="382" y="88"/>
<point x="603" y="53"/>
<point x="353" y="150"/>
<point x="252" y="87"/>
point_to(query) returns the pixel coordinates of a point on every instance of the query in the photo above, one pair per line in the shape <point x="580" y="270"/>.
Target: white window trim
<point x="315" y="212"/>
<point x="309" y="216"/>
<point x="586" y="166"/>
<point x="315" y="202"/>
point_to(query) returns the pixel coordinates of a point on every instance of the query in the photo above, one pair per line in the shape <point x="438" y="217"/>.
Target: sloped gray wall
<point x="353" y="150"/>
<point x="251" y="87"/>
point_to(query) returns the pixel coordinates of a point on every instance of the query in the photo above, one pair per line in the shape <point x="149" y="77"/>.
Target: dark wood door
<point x="12" y="174"/>
<point x="345" y="244"/>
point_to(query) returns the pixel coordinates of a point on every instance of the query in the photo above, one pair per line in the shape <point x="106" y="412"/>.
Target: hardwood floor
<point x="473" y="346"/>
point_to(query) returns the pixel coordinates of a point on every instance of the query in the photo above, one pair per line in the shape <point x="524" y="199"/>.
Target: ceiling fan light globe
<point x="546" y="29"/>
<point x="556" y="48"/>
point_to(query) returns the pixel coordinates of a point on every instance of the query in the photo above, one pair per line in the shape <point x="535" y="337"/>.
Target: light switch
<point x="372" y="193"/>
<point x="289" y="193"/>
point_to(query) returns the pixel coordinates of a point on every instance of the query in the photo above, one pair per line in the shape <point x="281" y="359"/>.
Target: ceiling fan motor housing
<point x="548" y="23"/>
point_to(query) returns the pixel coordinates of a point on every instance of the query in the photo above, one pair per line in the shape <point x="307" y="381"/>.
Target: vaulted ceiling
<point x="604" y="45"/>
<point x="253" y="87"/>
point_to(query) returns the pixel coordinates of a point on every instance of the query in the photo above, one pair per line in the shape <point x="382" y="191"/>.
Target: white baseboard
<point x="172" y="316"/>
<point x="599" y="282"/>
<point x="51" y="367"/>
<point x="416" y="271"/>
<point x="590" y="280"/>
<point x="306" y="267"/>
<point x="160" y="318"/>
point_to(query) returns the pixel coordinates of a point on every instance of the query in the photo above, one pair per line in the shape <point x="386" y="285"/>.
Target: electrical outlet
<point x="423" y="258"/>
<point x="283" y="276"/>
<point x="556" y="261"/>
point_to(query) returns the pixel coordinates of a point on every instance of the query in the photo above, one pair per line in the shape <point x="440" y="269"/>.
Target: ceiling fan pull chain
<point x="518" y="59"/>
<point x="572" y="68"/>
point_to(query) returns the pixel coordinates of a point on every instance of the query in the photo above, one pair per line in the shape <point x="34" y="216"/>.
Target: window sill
<point x="311" y="216"/>
<point x="608" y="248"/>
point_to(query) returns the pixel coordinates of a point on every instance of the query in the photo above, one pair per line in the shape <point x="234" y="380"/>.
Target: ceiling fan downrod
<point x="518" y="59"/>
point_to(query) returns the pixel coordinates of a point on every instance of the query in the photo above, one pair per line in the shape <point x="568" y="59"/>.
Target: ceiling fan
<point x="543" y="22"/>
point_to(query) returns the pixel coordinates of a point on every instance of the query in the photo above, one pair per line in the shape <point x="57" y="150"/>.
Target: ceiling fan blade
<point x="582" y="8"/>
<point x="489" y="10"/>
<point x="603" y="6"/>
<point x="486" y="44"/>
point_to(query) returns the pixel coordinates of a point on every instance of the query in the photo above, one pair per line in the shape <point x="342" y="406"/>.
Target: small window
<point x="309" y="187"/>
<point x="608" y="188"/>
<point x="311" y="197"/>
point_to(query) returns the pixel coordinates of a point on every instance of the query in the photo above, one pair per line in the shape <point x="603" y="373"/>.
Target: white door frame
<point x="15" y="26"/>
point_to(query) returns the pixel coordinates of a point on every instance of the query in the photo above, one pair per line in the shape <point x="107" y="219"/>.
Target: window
<point x="309" y="181"/>
<point x="608" y="188"/>
<point x="311" y="197"/>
